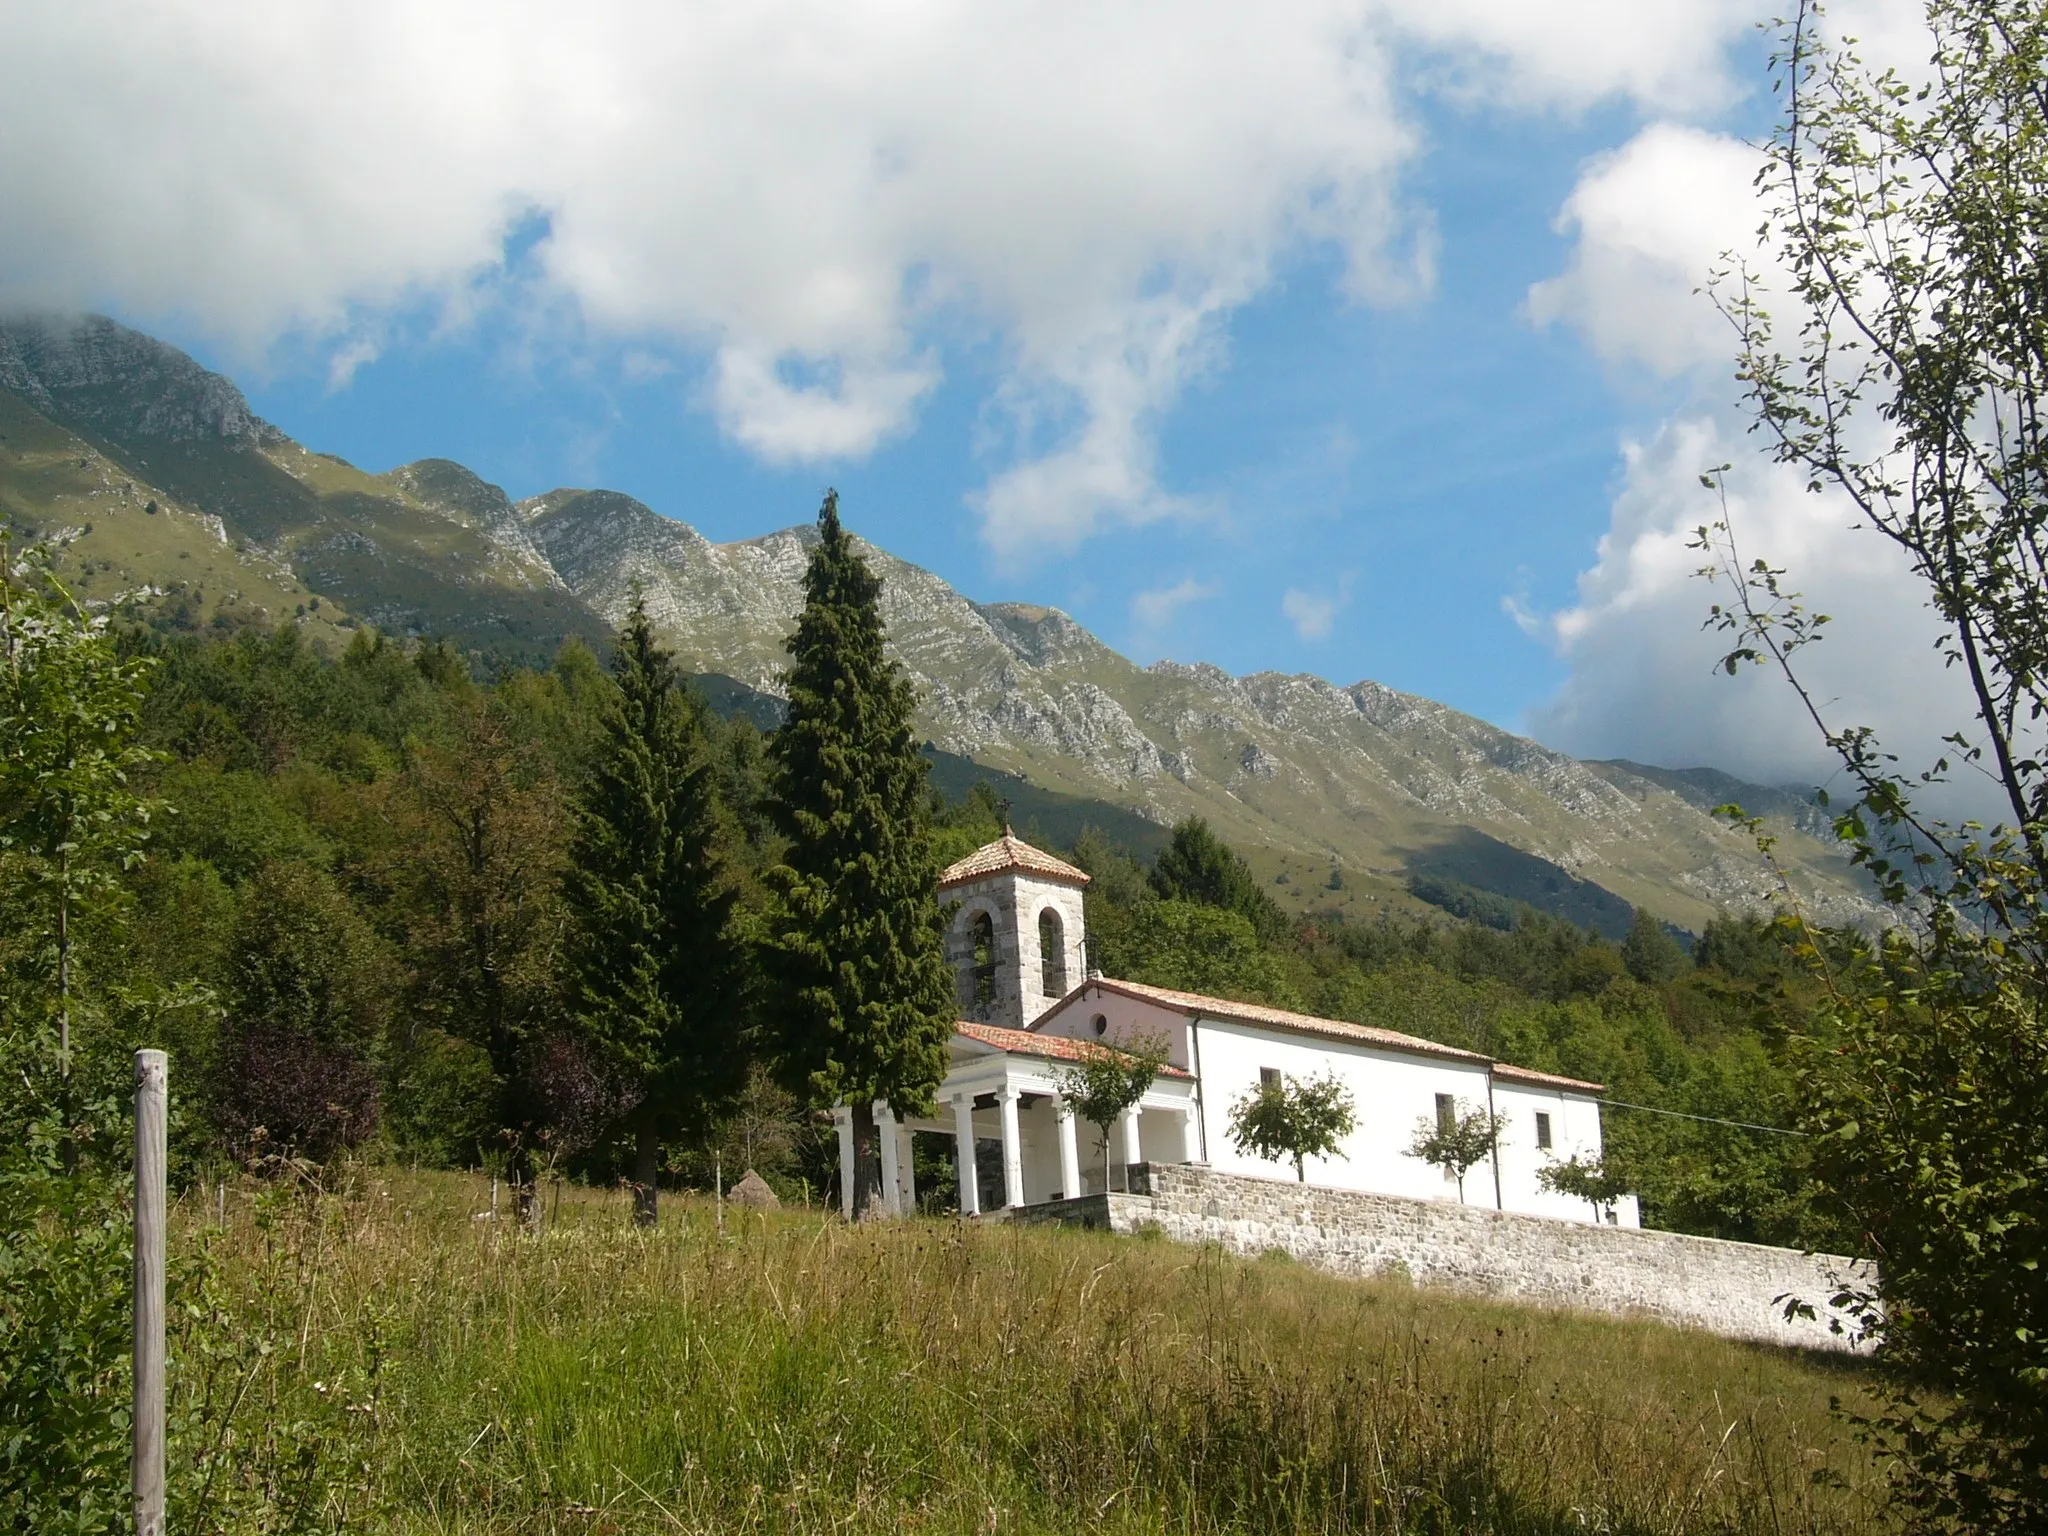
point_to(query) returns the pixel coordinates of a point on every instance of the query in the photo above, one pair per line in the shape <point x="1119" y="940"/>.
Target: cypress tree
<point x="654" y="967"/>
<point x="864" y="996"/>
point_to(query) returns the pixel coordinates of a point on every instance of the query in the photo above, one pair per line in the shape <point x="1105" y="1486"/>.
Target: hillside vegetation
<point x="349" y="931"/>
<point x="432" y="1370"/>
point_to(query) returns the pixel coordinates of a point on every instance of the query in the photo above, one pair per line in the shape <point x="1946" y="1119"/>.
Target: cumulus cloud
<point x="1311" y="615"/>
<point x="1669" y="55"/>
<point x="1152" y="610"/>
<point x="1649" y="220"/>
<point x="818" y="200"/>
<point x="1644" y="678"/>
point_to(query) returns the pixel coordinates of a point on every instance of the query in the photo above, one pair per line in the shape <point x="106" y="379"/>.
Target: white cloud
<point x="818" y="199"/>
<point x="1154" y="609"/>
<point x="1644" y="680"/>
<point x="1311" y="615"/>
<point x="1651" y="221"/>
<point x="1669" y="56"/>
<point x="834" y="418"/>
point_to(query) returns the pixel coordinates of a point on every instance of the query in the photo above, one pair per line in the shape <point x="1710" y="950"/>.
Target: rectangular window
<point x="1542" y="1130"/>
<point x="1269" y="1077"/>
<point x="1446" y="1112"/>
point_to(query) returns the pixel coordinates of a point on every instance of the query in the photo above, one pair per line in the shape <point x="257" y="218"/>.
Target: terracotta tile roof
<point x="1022" y="1042"/>
<point x="1281" y="1018"/>
<point x="1535" y="1079"/>
<point x="1334" y="1029"/>
<point x="1010" y="852"/>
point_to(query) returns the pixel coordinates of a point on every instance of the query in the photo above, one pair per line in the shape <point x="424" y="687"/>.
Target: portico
<point x="1016" y="1139"/>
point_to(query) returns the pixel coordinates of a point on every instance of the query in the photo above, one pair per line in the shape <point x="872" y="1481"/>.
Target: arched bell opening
<point x="981" y="937"/>
<point x="1052" y="954"/>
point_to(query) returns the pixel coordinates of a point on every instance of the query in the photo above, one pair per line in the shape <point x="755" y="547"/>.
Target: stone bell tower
<point x="1018" y="941"/>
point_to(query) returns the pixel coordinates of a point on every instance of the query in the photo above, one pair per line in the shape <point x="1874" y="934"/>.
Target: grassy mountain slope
<point x="149" y="425"/>
<point x="1344" y="792"/>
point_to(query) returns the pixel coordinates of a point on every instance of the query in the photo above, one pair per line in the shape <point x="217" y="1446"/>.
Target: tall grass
<point x="794" y="1374"/>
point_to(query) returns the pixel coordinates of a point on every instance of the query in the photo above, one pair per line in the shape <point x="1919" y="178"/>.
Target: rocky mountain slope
<point x="163" y="487"/>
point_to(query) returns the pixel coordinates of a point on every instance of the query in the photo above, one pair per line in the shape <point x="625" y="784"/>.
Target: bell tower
<point x="1018" y="941"/>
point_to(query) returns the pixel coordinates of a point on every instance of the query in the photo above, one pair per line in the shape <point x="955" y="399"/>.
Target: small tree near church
<point x="1294" y="1118"/>
<point x="1457" y="1143"/>
<point x="1107" y="1084"/>
<point x="863" y="997"/>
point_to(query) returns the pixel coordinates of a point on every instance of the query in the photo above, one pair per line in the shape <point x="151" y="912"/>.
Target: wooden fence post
<point x="151" y="1072"/>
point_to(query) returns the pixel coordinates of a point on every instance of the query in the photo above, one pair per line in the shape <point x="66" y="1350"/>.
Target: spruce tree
<point x="655" y="975"/>
<point x="864" y="996"/>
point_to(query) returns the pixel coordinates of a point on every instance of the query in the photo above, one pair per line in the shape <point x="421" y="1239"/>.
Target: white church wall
<point x="1575" y="1131"/>
<point x="1391" y="1092"/>
<point x="1041" y="1149"/>
<point x="1125" y="1021"/>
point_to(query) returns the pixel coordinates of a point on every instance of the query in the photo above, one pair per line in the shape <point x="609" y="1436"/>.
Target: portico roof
<point x="1010" y="852"/>
<point x="1020" y="1042"/>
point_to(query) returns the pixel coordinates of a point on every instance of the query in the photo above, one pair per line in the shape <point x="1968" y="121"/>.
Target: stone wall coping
<point x="1141" y="1173"/>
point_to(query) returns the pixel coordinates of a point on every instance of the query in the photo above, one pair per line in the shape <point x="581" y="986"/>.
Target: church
<point x="1030" y="1006"/>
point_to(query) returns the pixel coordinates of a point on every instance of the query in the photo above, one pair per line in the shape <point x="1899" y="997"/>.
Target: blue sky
<point x="1410" y="464"/>
<point x="1357" y="337"/>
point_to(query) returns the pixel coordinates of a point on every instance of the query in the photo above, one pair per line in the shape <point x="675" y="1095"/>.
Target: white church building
<point x="1030" y="1007"/>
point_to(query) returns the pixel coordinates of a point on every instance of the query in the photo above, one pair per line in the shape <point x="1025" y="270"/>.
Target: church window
<point x="1446" y="1113"/>
<point x="982" y="933"/>
<point x="1269" y="1077"/>
<point x="1052" y="954"/>
<point x="1102" y="1023"/>
<point x="1542" y="1129"/>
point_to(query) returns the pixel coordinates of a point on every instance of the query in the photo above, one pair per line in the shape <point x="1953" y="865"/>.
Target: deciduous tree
<point x="1107" y="1083"/>
<point x="1295" y="1118"/>
<point x="1906" y="371"/>
<point x="1457" y="1142"/>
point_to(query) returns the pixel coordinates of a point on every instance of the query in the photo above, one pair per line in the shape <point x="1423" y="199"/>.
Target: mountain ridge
<point x="147" y="462"/>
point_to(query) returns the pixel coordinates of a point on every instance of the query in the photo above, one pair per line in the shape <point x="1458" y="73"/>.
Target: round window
<point x="1101" y="1024"/>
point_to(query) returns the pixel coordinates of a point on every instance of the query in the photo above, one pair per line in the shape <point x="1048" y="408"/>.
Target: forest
<point x="350" y="927"/>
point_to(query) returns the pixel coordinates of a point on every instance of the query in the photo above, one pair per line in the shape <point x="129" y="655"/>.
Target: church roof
<point x="1282" y="1018"/>
<point x="1535" y="1079"/>
<point x="1010" y="852"/>
<point x="1329" y="1029"/>
<point x="1022" y="1042"/>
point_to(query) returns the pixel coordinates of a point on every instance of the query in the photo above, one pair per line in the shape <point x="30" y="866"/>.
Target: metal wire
<point x="1679" y="1114"/>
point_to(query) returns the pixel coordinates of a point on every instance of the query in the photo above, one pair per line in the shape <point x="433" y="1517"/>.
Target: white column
<point x="1130" y="1140"/>
<point x="1013" y="1147"/>
<point x="963" y="1134"/>
<point x="843" y="1118"/>
<point x="1190" y="1150"/>
<point x="906" y="1163"/>
<point x="1070" y="1149"/>
<point x="892" y="1172"/>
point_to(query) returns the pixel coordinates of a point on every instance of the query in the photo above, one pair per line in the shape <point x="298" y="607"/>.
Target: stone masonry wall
<point x="1731" y="1289"/>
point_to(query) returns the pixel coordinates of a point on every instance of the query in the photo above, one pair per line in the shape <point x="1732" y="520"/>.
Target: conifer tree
<point x="655" y="975"/>
<point x="864" y="997"/>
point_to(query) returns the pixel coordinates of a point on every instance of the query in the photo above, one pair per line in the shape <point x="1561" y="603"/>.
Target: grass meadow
<point x="382" y="1360"/>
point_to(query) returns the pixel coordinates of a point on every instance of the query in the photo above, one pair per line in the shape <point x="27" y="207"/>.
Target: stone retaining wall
<point x="1732" y="1289"/>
